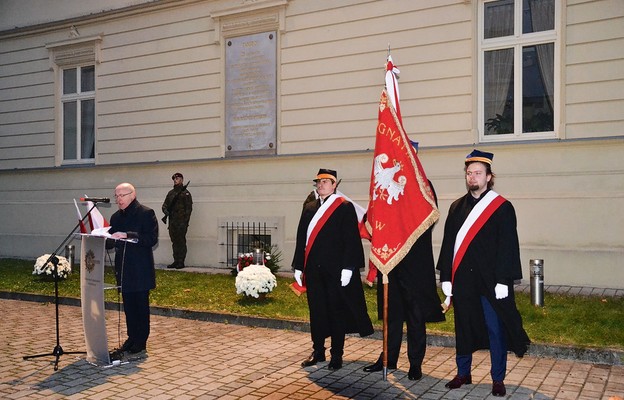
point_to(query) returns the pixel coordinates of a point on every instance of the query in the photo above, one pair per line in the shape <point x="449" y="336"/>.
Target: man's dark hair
<point x="488" y="171"/>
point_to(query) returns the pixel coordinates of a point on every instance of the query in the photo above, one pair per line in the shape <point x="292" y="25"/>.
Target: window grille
<point x="244" y="237"/>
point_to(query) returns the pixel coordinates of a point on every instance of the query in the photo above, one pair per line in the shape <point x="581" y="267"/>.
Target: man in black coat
<point x="479" y="262"/>
<point x="328" y="257"/>
<point x="413" y="298"/>
<point x="134" y="262"/>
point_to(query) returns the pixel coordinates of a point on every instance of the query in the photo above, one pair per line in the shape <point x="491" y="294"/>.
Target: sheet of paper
<point x="101" y="232"/>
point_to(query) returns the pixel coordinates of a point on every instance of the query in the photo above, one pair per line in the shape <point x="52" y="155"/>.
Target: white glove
<point x="447" y="288"/>
<point x="345" y="276"/>
<point x="298" y="274"/>
<point x="501" y="291"/>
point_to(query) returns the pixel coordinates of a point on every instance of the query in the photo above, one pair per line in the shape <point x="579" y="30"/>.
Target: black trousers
<point x="137" y="311"/>
<point x="327" y="309"/>
<point x="403" y="306"/>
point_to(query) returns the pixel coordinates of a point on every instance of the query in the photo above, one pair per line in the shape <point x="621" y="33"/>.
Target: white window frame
<point x="77" y="98"/>
<point x="77" y="52"/>
<point x="517" y="41"/>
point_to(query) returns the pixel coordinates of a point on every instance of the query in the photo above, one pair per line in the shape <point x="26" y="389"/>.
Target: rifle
<point x="175" y="199"/>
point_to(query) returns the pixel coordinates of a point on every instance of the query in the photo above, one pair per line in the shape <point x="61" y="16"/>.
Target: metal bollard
<point x="70" y="254"/>
<point x="536" y="268"/>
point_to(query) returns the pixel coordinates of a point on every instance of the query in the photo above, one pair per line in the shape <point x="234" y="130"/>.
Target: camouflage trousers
<point x="177" y="234"/>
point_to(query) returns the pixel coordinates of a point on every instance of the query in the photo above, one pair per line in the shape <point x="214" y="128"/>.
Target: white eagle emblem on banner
<point x="384" y="180"/>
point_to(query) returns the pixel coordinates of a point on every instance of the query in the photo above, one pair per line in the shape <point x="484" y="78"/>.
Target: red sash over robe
<point x="477" y="217"/>
<point x="316" y="224"/>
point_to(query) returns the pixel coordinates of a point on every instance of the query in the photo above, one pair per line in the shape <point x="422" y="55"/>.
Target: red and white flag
<point x="96" y="219"/>
<point x="83" y="228"/>
<point x="401" y="204"/>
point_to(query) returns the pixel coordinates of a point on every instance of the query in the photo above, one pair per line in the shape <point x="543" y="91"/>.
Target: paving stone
<point x="197" y="359"/>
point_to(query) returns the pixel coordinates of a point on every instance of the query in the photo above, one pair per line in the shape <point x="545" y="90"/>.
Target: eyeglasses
<point x="121" y="195"/>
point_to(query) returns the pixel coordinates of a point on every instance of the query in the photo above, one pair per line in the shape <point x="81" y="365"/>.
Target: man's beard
<point x="473" y="187"/>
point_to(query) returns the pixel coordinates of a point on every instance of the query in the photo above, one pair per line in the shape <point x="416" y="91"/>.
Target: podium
<point x="92" y="287"/>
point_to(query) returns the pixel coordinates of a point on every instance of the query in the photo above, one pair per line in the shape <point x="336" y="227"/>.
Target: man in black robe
<point x="328" y="257"/>
<point x="413" y="298"/>
<point x="479" y="261"/>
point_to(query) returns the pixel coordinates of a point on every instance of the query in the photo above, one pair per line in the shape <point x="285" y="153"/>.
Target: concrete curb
<point x="581" y="354"/>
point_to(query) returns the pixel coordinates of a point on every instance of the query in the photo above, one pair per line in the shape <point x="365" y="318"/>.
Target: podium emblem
<point x="90" y="261"/>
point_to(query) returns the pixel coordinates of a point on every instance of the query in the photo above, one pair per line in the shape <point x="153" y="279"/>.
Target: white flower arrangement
<point x="255" y="280"/>
<point x="64" y="268"/>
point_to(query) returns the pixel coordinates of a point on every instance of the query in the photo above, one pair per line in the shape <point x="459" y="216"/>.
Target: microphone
<point x="96" y="199"/>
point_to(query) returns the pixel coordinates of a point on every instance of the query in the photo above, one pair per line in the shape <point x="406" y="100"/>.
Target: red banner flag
<point x="401" y="204"/>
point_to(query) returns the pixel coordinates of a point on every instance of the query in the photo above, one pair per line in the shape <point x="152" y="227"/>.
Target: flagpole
<point x="392" y="199"/>
<point x="385" y="306"/>
<point x="385" y="326"/>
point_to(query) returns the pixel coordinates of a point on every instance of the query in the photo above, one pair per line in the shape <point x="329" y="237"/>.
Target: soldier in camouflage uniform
<point x="178" y="206"/>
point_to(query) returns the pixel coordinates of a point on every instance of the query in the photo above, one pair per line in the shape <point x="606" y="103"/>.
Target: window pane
<point x="499" y="91"/>
<point x="87" y="128"/>
<point x="537" y="88"/>
<point x="69" y="131"/>
<point x="248" y="242"/>
<point x="87" y="79"/>
<point x="538" y="15"/>
<point x="69" y="81"/>
<point x="498" y="19"/>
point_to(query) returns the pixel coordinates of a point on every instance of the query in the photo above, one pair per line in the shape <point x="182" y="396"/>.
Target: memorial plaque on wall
<point x="250" y="94"/>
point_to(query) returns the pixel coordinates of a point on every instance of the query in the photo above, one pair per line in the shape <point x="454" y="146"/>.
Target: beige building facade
<point x="150" y="100"/>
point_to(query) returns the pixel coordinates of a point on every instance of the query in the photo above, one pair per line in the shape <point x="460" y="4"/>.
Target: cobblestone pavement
<point x="190" y="359"/>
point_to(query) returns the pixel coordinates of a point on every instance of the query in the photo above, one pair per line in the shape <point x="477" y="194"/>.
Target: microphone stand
<point x="58" y="351"/>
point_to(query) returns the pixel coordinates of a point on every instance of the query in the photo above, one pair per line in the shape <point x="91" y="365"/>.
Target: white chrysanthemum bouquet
<point x="255" y="280"/>
<point x="64" y="268"/>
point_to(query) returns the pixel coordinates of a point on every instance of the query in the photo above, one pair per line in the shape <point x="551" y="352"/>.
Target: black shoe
<point x="498" y="389"/>
<point x="414" y="374"/>
<point x="179" y="266"/>
<point x="378" y="366"/>
<point x="171" y="265"/>
<point x="312" y="360"/>
<point x="458" y="381"/>
<point x="136" y="349"/>
<point x="116" y="354"/>
<point x="126" y="346"/>
<point x="334" y="364"/>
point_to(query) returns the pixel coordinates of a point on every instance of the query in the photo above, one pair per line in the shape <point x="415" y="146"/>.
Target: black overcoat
<point x="135" y="259"/>
<point x="416" y="271"/>
<point x="337" y="246"/>
<point x="492" y="257"/>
